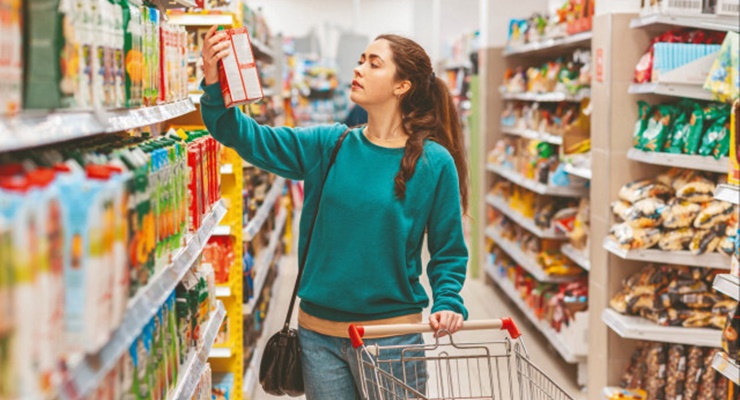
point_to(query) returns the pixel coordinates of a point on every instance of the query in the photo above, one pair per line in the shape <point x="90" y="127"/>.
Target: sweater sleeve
<point x="285" y="151"/>
<point x="446" y="242"/>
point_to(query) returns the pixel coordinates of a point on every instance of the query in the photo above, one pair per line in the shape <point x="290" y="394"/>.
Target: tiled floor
<point x="484" y="301"/>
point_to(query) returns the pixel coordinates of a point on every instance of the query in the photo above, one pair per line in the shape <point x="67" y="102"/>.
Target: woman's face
<point x="375" y="76"/>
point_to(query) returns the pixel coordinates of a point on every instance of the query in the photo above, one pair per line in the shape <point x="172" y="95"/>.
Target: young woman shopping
<point x="402" y="175"/>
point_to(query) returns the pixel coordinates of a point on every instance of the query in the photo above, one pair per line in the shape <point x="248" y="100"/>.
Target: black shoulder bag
<point x="280" y="369"/>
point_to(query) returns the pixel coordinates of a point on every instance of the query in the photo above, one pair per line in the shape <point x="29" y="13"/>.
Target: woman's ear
<point x="402" y="87"/>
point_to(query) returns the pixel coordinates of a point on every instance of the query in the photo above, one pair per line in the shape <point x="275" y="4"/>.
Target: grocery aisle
<point x="483" y="301"/>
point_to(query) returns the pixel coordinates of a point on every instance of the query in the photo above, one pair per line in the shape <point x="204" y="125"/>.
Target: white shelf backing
<point x="223" y="291"/>
<point x="707" y="260"/>
<point x="630" y="327"/>
<point x="553" y="97"/>
<point x="680" y="160"/>
<point x="569" y="345"/>
<point x="727" y="367"/>
<point x="525" y="261"/>
<point x="88" y="374"/>
<point x="579" y="39"/>
<point x="189" y="379"/>
<point x="532" y="134"/>
<point x="728" y="284"/>
<point x="262" y="265"/>
<point x="220" y="352"/>
<point x="728" y="193"/>
<point x="33" y="129"/>
<point x="577" y="256"/>
<point x="584" y="173"/>
<point x="537" y="187"/>
<point x="671" y="89"/>
<point x="701" y="21"/>
<point x="192" y="19"/>
<point x="255" y="224"/>
<point x="526" y="223"/>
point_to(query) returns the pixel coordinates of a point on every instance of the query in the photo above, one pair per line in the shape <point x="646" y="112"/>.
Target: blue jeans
<point x="331" y="370"/>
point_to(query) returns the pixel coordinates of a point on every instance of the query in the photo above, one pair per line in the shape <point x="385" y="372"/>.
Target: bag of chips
<point x="658" y="126"/>
<point x="716" y="139"/>
<point x="643" y="110"/>
<point x="696" y="128"/>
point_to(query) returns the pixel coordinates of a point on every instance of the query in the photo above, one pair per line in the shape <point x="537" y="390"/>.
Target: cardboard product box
<point x="240" y="82"/>
<point x="733" y="177"/>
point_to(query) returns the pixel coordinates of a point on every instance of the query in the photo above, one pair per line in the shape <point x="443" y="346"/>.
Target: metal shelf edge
<point x="536" y="187"/>
<point x="521" y="220"/>
<point x="728" y="284"/>
<point x="703" y="163"/>
<point x="728" y="193"/>
<point x="631" y="327"/>
<point x="572" y="40"/>
<point x="727" y="367"/>
<point x="712" y="260"/>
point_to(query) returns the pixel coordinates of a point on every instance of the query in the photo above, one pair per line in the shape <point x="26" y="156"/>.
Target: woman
<point x="402" y="175"/>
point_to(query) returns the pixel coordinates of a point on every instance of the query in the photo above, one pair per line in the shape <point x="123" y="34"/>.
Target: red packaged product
<point x="194" y="164"/>
<point x="240" y="82"/>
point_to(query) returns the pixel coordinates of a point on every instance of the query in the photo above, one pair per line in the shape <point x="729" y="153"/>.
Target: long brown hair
<point x="428" y="113"/>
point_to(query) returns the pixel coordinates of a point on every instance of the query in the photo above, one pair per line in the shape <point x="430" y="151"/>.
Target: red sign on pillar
<point x="600" y="65"/>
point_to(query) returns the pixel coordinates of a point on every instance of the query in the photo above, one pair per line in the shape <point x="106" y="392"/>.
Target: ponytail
<point x="429" y="113"/>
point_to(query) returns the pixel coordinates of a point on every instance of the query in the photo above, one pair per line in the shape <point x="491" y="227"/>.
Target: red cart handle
<point x="357" y="332"/>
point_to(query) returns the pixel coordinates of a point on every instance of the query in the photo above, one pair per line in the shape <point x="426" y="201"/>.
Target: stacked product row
<point x="572" y="17"/>
<point x="88" y="226"/>
<point x="570" y="75"/>
<point x="90" y="54"/>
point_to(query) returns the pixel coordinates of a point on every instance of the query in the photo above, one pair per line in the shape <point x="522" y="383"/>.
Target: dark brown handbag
<point x="280" y="369"/>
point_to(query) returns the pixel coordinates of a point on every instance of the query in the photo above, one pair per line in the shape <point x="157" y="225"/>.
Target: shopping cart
<point x="449" y="370"/>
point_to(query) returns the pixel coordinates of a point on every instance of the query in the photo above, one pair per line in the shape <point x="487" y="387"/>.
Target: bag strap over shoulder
<point x="333" y="158"/>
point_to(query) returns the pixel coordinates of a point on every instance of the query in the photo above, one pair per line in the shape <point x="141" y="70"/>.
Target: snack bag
<point x="643" y="109"/>
<point x="723" y="79"/>
<point x="658" y="127"/>
<point x="718" y="132"/>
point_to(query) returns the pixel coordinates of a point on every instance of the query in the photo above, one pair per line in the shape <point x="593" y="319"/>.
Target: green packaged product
<point x="696" y="128"/>
<point x="643" y="109"/>
<point x="678" y="135"/>
<point x="658" y="126"/>
<point x="722" y="148"/>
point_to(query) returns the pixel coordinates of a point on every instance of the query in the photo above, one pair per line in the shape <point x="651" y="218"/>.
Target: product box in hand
<point x="240" y="82"/>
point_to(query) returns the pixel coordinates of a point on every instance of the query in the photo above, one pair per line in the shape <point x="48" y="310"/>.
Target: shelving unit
<point x="188" y="381"/>
<point x="671" y="89"/>
<point x="35" y="129"/>
<point x="256" y="223"/>
<point x="526" y="223"/>
<point x="727" y="367"/>
<point x="584" y="173"/>
<point x="535" y="135"/>
<point x="537" y="187"/>
<point x="579" y="39"/>
<point x="728" y="284"/>
<point x="87" y="373"/>
<point x="703" y="21"/>
<point x="708" y="260"/>
<point x="203" y="19"/>
<point x="639" y="328"/>
<point x="264" y="262"/>
<point x="554" y="97"/>
<point x="525" y="261"/>
<point x="680" y="160"/>
<point x="577" y="256"/>
<point x="728" y="193"/>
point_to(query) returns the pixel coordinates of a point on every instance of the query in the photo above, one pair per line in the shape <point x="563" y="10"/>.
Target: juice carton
<point x="171" y="342"/>
<point x="11" y="57"/>
<point x="133" y="58"/>
<point x="84" y="17"/>
<point x="240" y="83"/>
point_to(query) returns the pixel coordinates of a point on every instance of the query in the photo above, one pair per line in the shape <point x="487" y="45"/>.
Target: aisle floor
<point x="483" y="300"/>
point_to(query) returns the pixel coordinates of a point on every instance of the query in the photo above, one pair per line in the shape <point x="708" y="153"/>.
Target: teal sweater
<point x="365" y="257"/>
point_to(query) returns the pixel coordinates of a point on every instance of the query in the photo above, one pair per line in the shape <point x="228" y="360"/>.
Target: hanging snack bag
<point x="658" y="126"/>
<point x="643" y="110"/>
<point x="240" y="83"/>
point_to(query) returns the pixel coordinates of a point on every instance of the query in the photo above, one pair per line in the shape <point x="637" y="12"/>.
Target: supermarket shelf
<point x="548" y="97"/>
<point x="701" y="21"/>
<point x="252" y="374"/>
<point x="725" y="366"/>
<point x="168" y="4"/>
<point x="577" y="256"/>
<point x="525" y="261"/>
<point x="32" y="129"/>
<point x="671" y="89"/>
<point x="188" y="381"/>
<point x="534" y="186"/>
<point x="262" y="51"/>
<point x="639" y="328"/>
<point x="579" y="39"/>
<point x="728" y="193"/>
<point x="87" y="374"/>
<point x="555" y="338"/>
<point x="584" y="173"/>
<point x="222" y="230"/>
<point x="262" y="265"/>
<point x="708" y="260"/>
<point x="521" y="220"/>
<point x="532" y="134"/>
<point x="680" y="160"/>
<point x="728" y="284"/>
<point x="223" y="291"/>
<point x="203" y="19"/>
<point x="220" y="352"/>
<point x="260" y="217"/>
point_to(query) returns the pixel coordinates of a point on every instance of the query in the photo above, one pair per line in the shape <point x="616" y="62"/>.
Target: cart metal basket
<point x="445" y="369"/>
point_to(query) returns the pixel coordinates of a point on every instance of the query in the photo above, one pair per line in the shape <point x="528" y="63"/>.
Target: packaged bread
<point x="638" y="303"/>
<point x="621" y="209"/>
<point x="632" y="365"/>
<point x="676" y="178"/>
<point x="677" y="239"/>
<point x="676" y="371"/>
<point x="724" y="306"/>
<point x="646" y="213"/>
<point x="727" y="245"/>
<point x="718" y="320"/>
<point x="649" y="280"/>
<point x="704" y="241"/>
<point x="680" y="213"/>
<point x="682" y="287"/>
<point x="722" y="388"/>
<point x="698" y="319"/>
<point x="634" y="238"/>
<point x="618" y="302"/>
<point x="643" y="189"/>
<point x="705" y="300"/>
<point x="713" y="214"/>
<point x="698" y="190"/>
<point x="656" y="369"/>
<point x="694" y="369"/>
